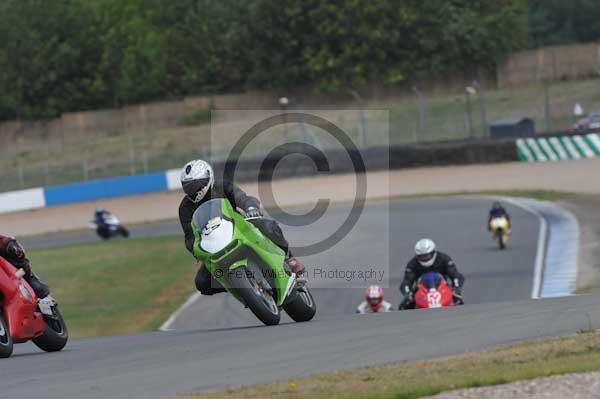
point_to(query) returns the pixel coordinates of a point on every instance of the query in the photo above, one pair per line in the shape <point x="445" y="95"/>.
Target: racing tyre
<point x="501" y="239"/>
<point x="302" y="307"/>
<point x="6" y="342"/>
<point x="55" y="335"/>
<point x="103" y="233"/>
<point x="255" y="292"/>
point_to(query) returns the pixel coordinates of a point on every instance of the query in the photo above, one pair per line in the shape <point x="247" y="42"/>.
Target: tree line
<point x="555" y="22"/>
<point x="71" y="55"/>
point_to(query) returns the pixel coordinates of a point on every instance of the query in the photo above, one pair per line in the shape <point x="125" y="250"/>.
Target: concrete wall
<point x="550" y="63"/>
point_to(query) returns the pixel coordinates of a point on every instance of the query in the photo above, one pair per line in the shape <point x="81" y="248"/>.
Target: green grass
<point x="119" y="286"/>
<point x="429" y="377"/>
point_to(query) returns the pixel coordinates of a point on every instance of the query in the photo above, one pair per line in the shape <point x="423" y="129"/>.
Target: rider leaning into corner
<point x="198" y="183"/>
<point x="428" y="259"/>
<point x="374" y="302"/>
<point x="13" y="252"/>
<point x="497" y="211"/>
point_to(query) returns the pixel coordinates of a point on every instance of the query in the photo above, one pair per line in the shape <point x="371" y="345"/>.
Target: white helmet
<point x="426" y="253"/>
<point x="197" y="178"/>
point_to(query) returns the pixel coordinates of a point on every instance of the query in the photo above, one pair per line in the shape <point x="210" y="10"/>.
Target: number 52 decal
<point x="434" y="299"/>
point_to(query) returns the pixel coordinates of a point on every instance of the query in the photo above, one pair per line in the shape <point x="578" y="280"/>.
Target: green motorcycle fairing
<point x="235" y="244"/>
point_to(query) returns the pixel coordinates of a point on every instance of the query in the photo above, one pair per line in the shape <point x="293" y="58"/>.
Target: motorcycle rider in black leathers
<point x="428" y="259"/>
<point x="199" y="185"/>
<point x="498" y="211"/>
<point x="12" y="251"/>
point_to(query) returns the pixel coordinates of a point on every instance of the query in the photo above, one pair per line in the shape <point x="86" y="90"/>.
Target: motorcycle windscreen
<point x="206" y="212"/>
<point x="431" y="280"/>
<point x="216" y="230"/>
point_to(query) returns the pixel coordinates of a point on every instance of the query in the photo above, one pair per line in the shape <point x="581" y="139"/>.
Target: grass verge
<point x="119" y="286"/>
<point x="429" y="377"/>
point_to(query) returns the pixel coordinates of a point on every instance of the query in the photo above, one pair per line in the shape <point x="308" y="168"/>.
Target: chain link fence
<point x="415" y="116"/>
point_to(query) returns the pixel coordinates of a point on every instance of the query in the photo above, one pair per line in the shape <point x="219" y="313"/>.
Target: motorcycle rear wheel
<point x="55" y="335"/>
<point x="6" y="342"/>
<point x="302" y="307"/>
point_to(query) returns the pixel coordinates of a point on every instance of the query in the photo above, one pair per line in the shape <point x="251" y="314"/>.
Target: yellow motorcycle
<point x="500" y="231"/>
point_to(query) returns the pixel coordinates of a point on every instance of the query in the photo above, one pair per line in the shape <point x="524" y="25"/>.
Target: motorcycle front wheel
<point x="501" y="239"/>
<point x="253" y="290"/>
<point x="6" y="342"/>
<point x="55" y="335"/>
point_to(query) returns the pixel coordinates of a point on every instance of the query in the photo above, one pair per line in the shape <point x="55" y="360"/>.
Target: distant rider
<point x="101" y="215"/>
<point x="497" y="211"/>
<point x="428" y="259"/>
<point x="13" y="252"/>
<point x="198" y="183"/>
<point x="374" y="302"/>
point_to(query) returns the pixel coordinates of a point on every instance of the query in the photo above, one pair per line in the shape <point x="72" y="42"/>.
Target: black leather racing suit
<point x="443" y="264"/>
<point x="238" y="199"/>
<point x="12" y="251"/>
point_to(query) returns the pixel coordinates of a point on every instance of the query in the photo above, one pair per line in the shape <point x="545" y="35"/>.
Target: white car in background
<point x="590" y="122"/>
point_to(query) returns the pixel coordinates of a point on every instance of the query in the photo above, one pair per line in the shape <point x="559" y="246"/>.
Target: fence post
<point x="421" y="112"/>
<point x="469" y="113"/>
<point x="481" y="93"/>
<point x="362" y="133"/>
<point x="145" y="161"/>
<point x="306" y="130"/>
<point x="131" y="154"/>
<point x="84" y="167"/>
<point x="547" y="110"/>
<point x="21" y="175"/>
<point x="47" y="166"/>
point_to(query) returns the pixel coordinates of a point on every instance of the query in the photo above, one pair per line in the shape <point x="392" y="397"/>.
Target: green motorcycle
<point x="248" y="265"/>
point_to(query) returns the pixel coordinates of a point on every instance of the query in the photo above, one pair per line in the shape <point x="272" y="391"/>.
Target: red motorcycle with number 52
<point x="24" y="318"/>
<point x="433" y="292"/>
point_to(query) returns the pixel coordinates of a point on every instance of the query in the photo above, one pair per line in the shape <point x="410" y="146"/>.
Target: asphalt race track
<point x="218" y="343"/>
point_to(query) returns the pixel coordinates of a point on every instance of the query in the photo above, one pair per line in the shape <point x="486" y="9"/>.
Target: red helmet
<point x="374" y="296"/>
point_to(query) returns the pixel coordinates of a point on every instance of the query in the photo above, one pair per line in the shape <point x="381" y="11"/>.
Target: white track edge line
<point x="166" y="326"/>
<point x="540" y="255"/>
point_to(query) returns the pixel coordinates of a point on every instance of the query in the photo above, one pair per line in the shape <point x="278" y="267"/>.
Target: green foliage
<point x="554" y="22"/>
<point x="69" y="55"/>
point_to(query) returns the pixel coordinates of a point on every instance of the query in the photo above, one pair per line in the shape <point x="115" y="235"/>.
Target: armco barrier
<point x="279" y="166"/>
<point x="558" y="148"/>
<point x="105" y="188"/>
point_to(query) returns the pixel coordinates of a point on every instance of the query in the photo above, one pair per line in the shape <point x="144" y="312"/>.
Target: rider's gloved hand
<point x="253" y="212"/>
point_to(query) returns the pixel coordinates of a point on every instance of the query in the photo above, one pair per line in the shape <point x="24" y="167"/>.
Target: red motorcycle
<point x="24" y="318"/>
<point x="433" y="291"/>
